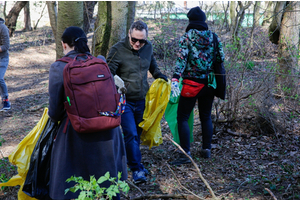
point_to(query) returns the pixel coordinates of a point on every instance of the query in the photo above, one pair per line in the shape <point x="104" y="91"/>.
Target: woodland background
<point x="256" y="129"/>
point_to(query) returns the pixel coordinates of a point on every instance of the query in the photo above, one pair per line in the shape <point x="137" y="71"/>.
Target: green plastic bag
<point x="171" y="117"/>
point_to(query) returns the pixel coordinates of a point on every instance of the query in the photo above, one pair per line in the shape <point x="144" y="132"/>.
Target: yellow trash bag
<point x="22" y="154"/>
<point x="157" y="99"/>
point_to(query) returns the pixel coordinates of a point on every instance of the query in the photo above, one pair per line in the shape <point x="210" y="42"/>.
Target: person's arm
<point x="182" y="57"/>
<point x="4" y="36"/>
<point x="56" y="92"/>
<point x="220" y="53"/>
<point x="113" y="60"/>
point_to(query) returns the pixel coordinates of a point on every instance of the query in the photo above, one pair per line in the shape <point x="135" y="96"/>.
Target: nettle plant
<point x="91" y="190"/>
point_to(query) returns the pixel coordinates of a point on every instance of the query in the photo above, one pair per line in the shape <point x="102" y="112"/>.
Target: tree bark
<point x="65" y="18"/>
<point x="4" y="9"/>
<point x="288" y="43"/>
<point x="131" y="13"/>
<point x="52" y="11"/>
<point x="119" y="21"/>
<point x="27" y="19"/>
<point x="256" y="14"/>
<point x="232" y="13"/>
<point x="268" y="13"/>
<point x="11" y="18"/>
<point x="102" y="29"/>
<point x="238" y="22"/>
<point x="88" y="11"/>
<point x="274" y="28"/>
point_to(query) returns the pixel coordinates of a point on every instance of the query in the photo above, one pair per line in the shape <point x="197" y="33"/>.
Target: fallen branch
<point x="235" y="133"/>
<point x="197" y="168"/>
<point x="136" y="187"/>
<point x="271" y="193"/>
<point x="182" y="185"/>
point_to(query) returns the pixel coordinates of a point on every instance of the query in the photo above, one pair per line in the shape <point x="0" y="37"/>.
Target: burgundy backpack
<point x="92" y="102"/>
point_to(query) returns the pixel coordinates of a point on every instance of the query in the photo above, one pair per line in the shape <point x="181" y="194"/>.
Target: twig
<point x="271" y="193"/>
<point x="162" y="196"/>
<point x="237" y="191"/>
<point x="182" y="185"/>
<point x="235" y="134"/>
<point x="195" y="165"/>
<point x="136" y="187"/>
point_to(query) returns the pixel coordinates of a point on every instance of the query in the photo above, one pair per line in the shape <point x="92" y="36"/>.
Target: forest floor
<point x="241" y="167"/>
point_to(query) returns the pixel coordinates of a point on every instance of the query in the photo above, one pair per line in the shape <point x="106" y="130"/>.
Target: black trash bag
<point x="37" y="180"/>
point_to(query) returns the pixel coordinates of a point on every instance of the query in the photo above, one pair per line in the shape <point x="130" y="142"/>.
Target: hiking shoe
<point x="205" y="153"/>
<point x="139" y="176"/>
<point x="146" y="172"/>
<point x="6" y="105"/>
<point x="181" y="159"/>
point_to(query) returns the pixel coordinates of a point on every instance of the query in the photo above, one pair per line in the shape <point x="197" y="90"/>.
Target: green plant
<point x="91" y="190"/>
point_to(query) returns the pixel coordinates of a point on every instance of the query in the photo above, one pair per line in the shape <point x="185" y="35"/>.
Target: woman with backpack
<point x="195" y="65"/>
<point x="79" y="154"/>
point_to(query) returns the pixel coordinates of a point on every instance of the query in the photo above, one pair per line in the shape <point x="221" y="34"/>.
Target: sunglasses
<point x="134" y="40"/>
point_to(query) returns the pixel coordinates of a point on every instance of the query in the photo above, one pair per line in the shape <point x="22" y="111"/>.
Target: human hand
<point x="175" y="88"/>
<point x="162" y="76"/>
<point x="120" y="84"/>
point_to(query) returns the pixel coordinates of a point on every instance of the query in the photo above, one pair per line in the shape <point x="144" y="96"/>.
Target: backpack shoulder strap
<point x="65" y="59"/>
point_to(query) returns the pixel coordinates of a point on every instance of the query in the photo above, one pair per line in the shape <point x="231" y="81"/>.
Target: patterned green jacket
<point x="196" y="54"/>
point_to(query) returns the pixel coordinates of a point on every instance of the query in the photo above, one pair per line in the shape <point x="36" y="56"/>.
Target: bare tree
<point x="27" y="19"/>
<point x="102" y="29"/>
<point x="119" y="21"/>
<point x="65" y="18"/>
<point x="88" y="12"/>
<point x="274" y="28"/>
<point x="268" y="13"/>
<point x="256" y="14"/>
<point x="288" y="43"/>
<point x="11" y="18"/>
<point x="232" y="13"/>
<point x="52" y="11"/>
<point x="131" y="13"/>
<point x="239" y="20"/>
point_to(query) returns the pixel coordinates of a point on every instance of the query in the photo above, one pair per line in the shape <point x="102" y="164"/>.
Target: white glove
<point x="120" y="84"/>
<point x="175" y="88"/>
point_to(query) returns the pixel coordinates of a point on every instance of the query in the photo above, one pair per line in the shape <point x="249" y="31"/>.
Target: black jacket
<point x="132" y="67"/>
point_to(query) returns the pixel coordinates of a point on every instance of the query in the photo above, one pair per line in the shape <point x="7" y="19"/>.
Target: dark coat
<point x="132" y="66"/>
<point x="79" y="154"/>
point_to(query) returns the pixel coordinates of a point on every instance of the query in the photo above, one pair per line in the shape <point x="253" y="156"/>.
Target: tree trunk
<point x="238" y="22"/>
<point x="232" y="14"/>
<point x="88" y="12"/>
<point x="288" y="43"/>
<point x="274" y="28"/>
<point x="11" y="18"/>
<point x="52" y="11"/>
<point x="268" y="13"/>
<point x="256" y="14"/>
<point x="131" y="13"/>
<point x="119" y="21"/>
<point x="65" y="18"/>
<point x="4" y="9"/>
<point x="102" y="29"/>
<point x="27" y="19"/>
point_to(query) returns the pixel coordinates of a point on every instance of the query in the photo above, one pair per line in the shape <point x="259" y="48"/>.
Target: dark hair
<point x="139" y="25"/>
<point x="75" y="37"/>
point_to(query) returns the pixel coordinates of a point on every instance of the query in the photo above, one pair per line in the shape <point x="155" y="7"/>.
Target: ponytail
<point x="75" y="37"/>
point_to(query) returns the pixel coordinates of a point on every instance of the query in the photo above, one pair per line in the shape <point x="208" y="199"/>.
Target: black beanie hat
<point x="196" y="14"/>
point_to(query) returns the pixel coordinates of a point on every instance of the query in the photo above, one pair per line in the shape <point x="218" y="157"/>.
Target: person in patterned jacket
<point x="195" y="65"/>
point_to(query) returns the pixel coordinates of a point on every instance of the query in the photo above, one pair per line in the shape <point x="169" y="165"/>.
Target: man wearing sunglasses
<point x="131" y="59"/>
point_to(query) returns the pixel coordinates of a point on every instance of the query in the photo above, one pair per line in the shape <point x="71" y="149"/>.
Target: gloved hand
<point x="120" y="84"/>
<point x="163" y="77"/>
<point x="175" y="88"/>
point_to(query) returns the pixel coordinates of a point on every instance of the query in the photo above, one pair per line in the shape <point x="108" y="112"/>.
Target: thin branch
<point x="136" y="187"/>
<point x="182" y="185"/>
<point x="195" y="165"/>
<point x="271" y="193"/>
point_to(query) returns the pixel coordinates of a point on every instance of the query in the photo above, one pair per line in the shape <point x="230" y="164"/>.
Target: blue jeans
<point x="3" y="67"/>
<point x="185" y="106"/>
<point x="130" y="120"/>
